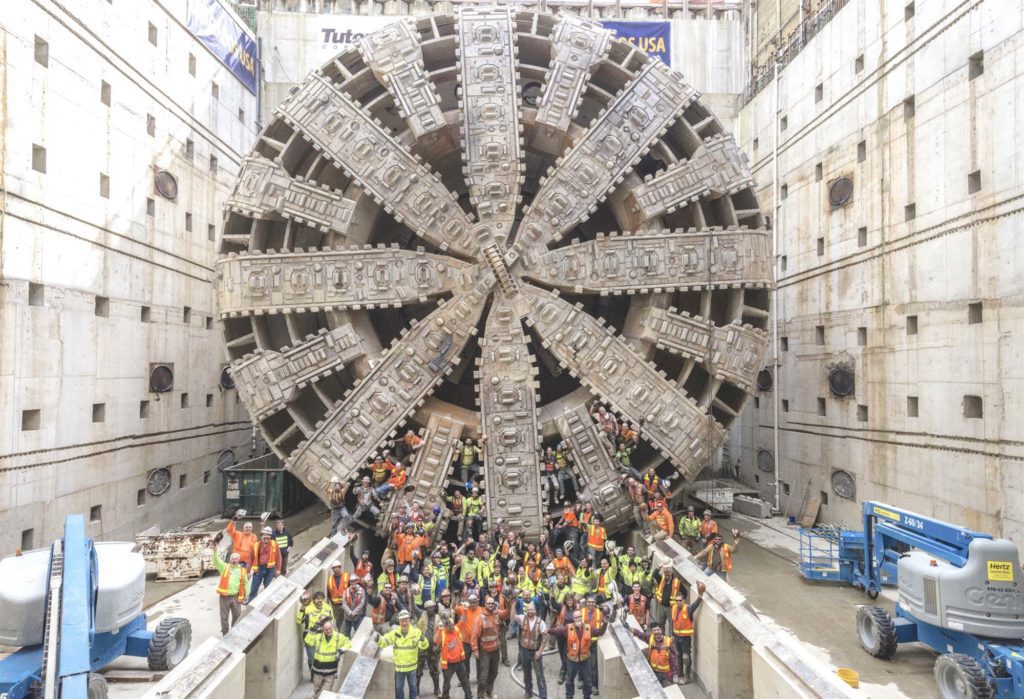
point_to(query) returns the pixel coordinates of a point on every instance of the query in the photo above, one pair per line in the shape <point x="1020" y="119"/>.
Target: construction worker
<point x="485" y="644"/>
<point x="681" y="619"/>
<point x="689" y="529"/>
<point x="328" y="645"/>
<point x="708" y="528"/>
<point x="233" y="587"/>
<point x="264" y="561"/>
<point x="340" y="517"/>
<point x="596" y="538"/>
<point x="636" y="603"/>
<point x="717" y="555"/>
<point x="380" y="469"/>
<point x="474" y="513"/>
<point x="337" y="583"/>
<point x="241" y="541"/>
<point x="284" y="543"/>
<point x="578" y="641"/>
<point x="660" y="653"/>
<point x="396" y="481"/>
<point x="469" y="457"/>
<point x="366" y="498"/>
<point x="593" y="617"/>
<point x="662" y="526"/>
<point x="448" y="640"/>
<point x="409" y="642"/>
<point x="531" y="649"/>
<point x="428" y="624"/>
<point x="311" y="612"/>
<point x="667" y="586"/>
<point x="353" y="606"/>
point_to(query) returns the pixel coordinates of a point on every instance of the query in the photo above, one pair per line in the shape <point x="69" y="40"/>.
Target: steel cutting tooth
<point x="395" y="56"/>
<point x="507" y="387"/>
<point x="489" y="97"/>
<point x="659" y="261"/>
<point x="617" y="139"/>
<point x="267" y="381"/>
<point x="607" y="364"/>
<point x="408" y="371"/>
<point x="292" y="282"/>
<point x="408" y="190"/>
<point x="577" y="47"/>
<point x="732" y="353"/>
<point x="717" y="168"/>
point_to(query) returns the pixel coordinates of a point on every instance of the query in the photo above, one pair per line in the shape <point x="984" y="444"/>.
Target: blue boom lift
<point x="961" y="593"/>
<point x="70" y="622"/>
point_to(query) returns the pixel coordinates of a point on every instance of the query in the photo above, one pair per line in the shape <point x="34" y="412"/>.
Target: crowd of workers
<point x="451" y="585"/>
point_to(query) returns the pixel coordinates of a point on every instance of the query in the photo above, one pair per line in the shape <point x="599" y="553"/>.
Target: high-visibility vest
<point x="281" y="538"/>
<point x="708" y="527"/>
<point x="595" y="537"/>
<point x="473" y="506"/>
<point x="327" y="652"/>
<point x="682" y="625"/>
<point x="651" y="482"/>
<point x="529" y="634"/>
<point x="580" y="582"/>
<point x="486" y="631"/>
<point x="379" y="613"/>
<point x="336" y="587"/>
<point x="661" y="587"/>
<point x="384" y="578"/>
<point x="726" y="553"/>
<point x="311" y="615"/>
<point x="225" y="579"/>
<point x="592" y="618"/>
<point x="407" y="647"/>
<point x="577" y="645"/>
<point x="380" y="472"/>
<point x="659" y="654"/>
<point x="638" y="608"/>
<point x="689" y="526"/>
<point x="271" y="558"/>
<point x="450" y="643"/>
<point x="603" y="578"/>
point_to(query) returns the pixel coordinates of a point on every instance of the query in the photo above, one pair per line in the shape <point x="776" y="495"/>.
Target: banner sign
<point x="220" y="33"/>
<point x="653" y="38"/>
<point x="341" y="33"/>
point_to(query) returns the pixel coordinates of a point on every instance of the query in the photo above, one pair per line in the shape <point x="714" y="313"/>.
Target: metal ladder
<point x="51" y="630"/>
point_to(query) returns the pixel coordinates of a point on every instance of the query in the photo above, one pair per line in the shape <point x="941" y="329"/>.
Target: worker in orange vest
<point x="661" y="655"/>
<point x="468" y="614"/>
<point x="596" y="538"/>
<point x="708" y="527"/>
<point x="681" y="618"/>
<point x="485" y="641"/>
<point x="241" y="541"/>
<point x="448" y="640"/>
<point x="264" y="562"/>
<point x="593" y="617"/>
<point x="661" y="521"/>
<point x="717" y="555"/>
<point x="579" y="639"/>
<point x="337" y="583"/>
<point x="636" y="603"/>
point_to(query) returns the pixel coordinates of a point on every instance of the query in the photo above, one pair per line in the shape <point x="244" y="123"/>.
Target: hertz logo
<point x="1000" y="571"/>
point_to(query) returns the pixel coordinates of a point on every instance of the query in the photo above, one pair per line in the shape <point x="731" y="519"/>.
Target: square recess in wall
<point x="186" y="315"/>
<point x="184" y="400"/>
<point x="862" y="336"/>
<point x="911" y="325"/>
<point x="819" y="335"/>
<point x="909" y="108"/>
<point x="206" y="476"/>
<point x="42" y="52"/>
<point x="974" y="182"/>
<point x="974" y="407"/>
<point x="819" y="171"/>
<point x="36" y="294"/>
<point x="819" y="92"/>
<point x="784" y="343"/>
<point x="974" y="313"/>
<point x="150" y="207"/>
<point x="96" y="513"/>
<point x="143" y="409"/>
<point x="908" y="12"/>
<point x="38" y="158"/>
<point x="99" y="412"/>
<point x="785" y="405"/>
<point x="28" y="539"/>
<point x="862" y="413"/>
<point x="209" y="400"/>
<point x="862" y="236"/>
<point x="912" y="406"/>
<point x="30" y="420"/>
<point x="822" y="407"/>
<point x="102" y="308"/>
<point x="910" y="212"/>
<point x="785" y="487"/>
<point x="858" y="63"/>
<point x="862" y="151"/>
<point x="145" y="314"/>
<point x="975" y="65"/>
<point x="150" y="125"/>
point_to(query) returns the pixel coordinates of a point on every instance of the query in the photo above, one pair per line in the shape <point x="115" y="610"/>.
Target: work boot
<point x="504" y="661"/>
<point x="561" y="677"/>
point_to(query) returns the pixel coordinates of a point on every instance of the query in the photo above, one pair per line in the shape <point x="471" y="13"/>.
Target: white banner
<point x="296" y="43"/>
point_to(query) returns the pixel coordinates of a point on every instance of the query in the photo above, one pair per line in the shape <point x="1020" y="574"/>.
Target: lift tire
<point x="97" y="688"/>
<point x="873" y="594"/>
<point x="959" y="676"/>
<point x="170" y="643"/>
<point x="876" y="631"/>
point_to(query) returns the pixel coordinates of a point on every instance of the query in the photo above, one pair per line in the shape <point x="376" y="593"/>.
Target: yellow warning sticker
<point x="1000" y="571"/>
<point x="887" y="513"/>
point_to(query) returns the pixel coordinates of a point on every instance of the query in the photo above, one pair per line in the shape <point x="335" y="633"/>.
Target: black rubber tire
<point x="876" y="631"/>
<point x="97" y="688"/>
<point x="873" y="594"/>
<point x="170" y="643"/>
<point x="959" y="676"/>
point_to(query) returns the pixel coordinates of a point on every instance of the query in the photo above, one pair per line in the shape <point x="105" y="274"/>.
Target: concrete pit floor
<point x="821" y="615"/>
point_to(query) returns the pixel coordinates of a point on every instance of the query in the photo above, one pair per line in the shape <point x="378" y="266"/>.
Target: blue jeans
<point x="339" y="516"/>
<point x="403" y="678"/>
<point x="721" y="573"/>
<point x="349" y="627"/>
<point x="264" y="575"/>
<point x="531" y="666"/>
<point x="574" y="668"/>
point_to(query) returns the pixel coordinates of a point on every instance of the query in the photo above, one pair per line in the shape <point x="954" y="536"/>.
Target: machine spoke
<point x="607" y="364"/>
<point x="621" y="134"/>
<point x="716" y="169"/>
<point x="507" y="389"/>
<point x="338" y="279"/>
<point x="395" y="56"/>
<point x="359" y="145"/>
<point x="658" y="261"/>
<point x="264" y="187"/>
<point x="492" y="146"/>
<point x="404" y="376"/>
<point x="578" y="45"/>
<point x="732" y="353"/>
<point x="269" y="380"/>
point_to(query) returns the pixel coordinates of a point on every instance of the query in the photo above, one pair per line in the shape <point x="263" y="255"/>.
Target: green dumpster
<point x="263" y="485"/>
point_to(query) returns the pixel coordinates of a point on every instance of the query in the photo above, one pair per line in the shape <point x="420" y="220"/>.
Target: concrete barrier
<point x="736" y="654"/>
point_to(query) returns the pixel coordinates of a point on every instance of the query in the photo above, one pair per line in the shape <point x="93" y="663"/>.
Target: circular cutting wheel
<point x="475" y="224"/>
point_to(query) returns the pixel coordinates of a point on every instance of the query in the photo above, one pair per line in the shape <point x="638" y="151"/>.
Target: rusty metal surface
<point x="178" y="555"/>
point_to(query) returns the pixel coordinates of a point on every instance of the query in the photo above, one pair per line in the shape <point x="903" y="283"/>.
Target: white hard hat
<point x="335" y="479"/>
<point x="267" y="530"/>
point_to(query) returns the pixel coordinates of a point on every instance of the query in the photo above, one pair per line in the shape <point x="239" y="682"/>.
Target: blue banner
<point x="218" y="30"/>
<point x="653" y="38"/>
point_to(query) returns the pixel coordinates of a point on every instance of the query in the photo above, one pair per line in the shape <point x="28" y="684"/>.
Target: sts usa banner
<point x="220" y="33"/>
<point x="653" y="38"/>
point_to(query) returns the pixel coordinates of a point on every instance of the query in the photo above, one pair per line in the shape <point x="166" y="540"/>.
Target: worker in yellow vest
<point x="311" y="613"/>
<point x="233" y="588"/>
<point x="284" y="542"/>
<point x="409" y="642"/>
<point x="689" y="529"/>
<point x="328" y="645"/>
<point x="681" y="619"/>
